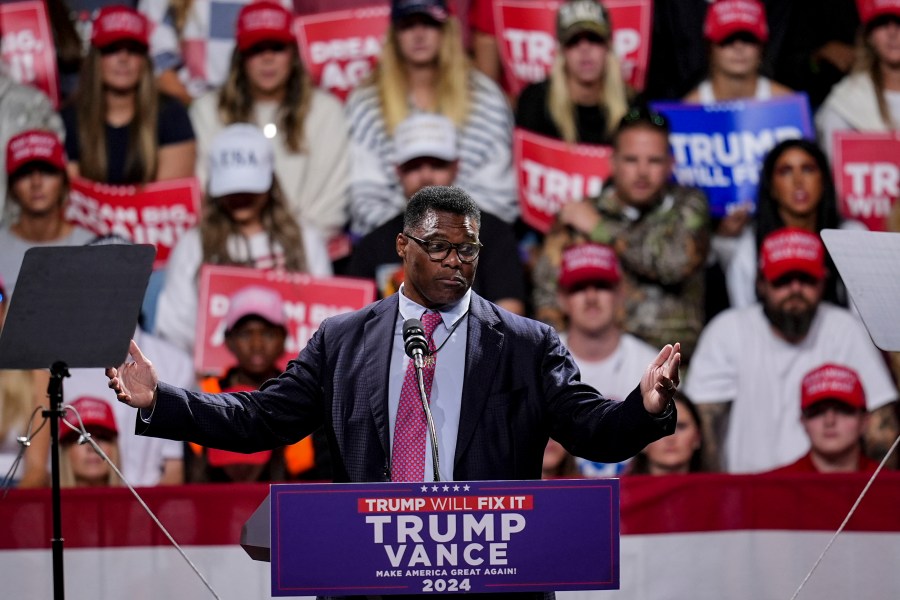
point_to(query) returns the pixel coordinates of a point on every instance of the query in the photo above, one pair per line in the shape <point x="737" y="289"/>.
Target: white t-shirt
<point x="615" y="377"/>
<point x="141" y="458"/>
<point x="740" y="359"/>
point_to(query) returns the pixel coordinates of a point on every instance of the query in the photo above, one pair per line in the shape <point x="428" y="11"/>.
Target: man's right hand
<point x="135" y="382"/>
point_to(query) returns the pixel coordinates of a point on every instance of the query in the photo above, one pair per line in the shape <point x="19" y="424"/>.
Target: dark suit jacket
<point x="521" y="386"/>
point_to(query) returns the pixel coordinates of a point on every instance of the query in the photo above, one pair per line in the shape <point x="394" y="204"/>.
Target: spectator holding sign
<point x="834" y="417"/>
<point x="37" y="196"/>
<point x="747" y="371"/>
<point x="428" y="154"/>
<point x="585" y="95"/>
<point x="120" y="129"/>
<point x="245" y="222"/>
<point x="660" y="232"/>
<point x="869" y="98"/>
<point x="796" y="190"/>
<point x="268" y="86"/>
<point x="423" y="68"/>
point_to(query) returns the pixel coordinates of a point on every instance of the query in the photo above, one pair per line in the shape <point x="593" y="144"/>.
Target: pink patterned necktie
<point x="411" y="427"/>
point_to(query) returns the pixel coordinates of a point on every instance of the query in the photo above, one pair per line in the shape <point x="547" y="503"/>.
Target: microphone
<point x="414" y="342"/>
<point x="416" y="347"/>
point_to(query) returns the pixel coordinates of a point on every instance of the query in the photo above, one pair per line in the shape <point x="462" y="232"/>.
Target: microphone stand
<point x="58" y="371"/>
<point x="420" y="378"/>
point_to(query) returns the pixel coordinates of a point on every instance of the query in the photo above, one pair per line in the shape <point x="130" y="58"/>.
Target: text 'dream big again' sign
<point x="307" y="302"/>
<point x="409" y="538"/>
<point x="340" y="48"/>
<point x="720" y="148"/>
<point x="867" y="175"/>
<point x="526" y="37"/>
<point x="551" y="173"/>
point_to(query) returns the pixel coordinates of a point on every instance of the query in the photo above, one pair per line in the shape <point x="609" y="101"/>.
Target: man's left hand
<point x="661" y="379"/>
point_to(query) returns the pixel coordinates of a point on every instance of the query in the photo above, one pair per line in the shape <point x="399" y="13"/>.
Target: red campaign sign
<point x="526" y="37"/>
<point x="867" y="176"/>
<point x="28" y="50"/>
<point x="551" y="173"/>
<point x="340" y="48"/>
<point x="157" y="213"/>
<point x="307" y="302"/>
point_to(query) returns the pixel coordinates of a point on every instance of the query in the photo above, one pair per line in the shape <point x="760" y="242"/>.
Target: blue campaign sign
<point x="407" y="538"/>
<point x="720" y="148"/>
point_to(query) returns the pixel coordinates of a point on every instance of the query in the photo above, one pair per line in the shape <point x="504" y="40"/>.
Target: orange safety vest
<point x="298" y="457"/>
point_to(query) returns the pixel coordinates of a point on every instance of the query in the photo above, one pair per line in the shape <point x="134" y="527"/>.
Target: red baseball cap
<point x="34" y="145"/>
<point x="869" y="10"/>
<point x="792" y="249"/>
<point x="832" y="382"/>
<point x="727" y="17"/>
<point x="264" y="21"/>
<point x="588" y="262"/>
<point x="116" y="23"/>
<point x="96" y="414"/>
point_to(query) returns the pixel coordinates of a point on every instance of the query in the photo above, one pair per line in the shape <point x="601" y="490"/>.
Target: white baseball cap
<point x="425" y="134"/>
<point x="241" y="161"/>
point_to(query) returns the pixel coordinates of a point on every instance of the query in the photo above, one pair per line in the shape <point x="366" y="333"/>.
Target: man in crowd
<point x="428" y="154"/>
<point x="609" y="359"/>
<point x="660" y="232"/>
<point x="833" y="414"/>
<point x="502" y="384"/>
<point x="747" y="371"/>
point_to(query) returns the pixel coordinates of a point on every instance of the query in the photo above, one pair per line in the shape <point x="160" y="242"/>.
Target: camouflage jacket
<point x="663" y="254"/>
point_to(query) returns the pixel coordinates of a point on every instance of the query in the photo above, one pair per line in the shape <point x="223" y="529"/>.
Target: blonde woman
<point x="268" y="86"/>
<point x="246" y="222"/>
<point x="79" y="464"/>
<point x="120" y="129"/>
<point x="423" y="68"/>
<point x="585" y="95"/>
<point x="869" y="98"/>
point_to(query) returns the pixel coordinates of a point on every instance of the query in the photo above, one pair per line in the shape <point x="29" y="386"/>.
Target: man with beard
<point x="747" y="371"/>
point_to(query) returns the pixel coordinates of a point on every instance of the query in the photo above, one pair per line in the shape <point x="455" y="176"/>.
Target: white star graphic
<point x="434" y="488"/>
<point x="424" y="488"/>
<point x="446" y="488"/>
<point x="466" y="488"/>
<point x="455" y="488"/>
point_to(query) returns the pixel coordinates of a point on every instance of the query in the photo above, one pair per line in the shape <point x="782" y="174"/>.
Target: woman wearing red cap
<point x="423" y="68"/>
<point x="38" y="191"/>
<point x="120" y="129"/>
<point x="268" y="86"/>
<point x="869" y="98"/>
<point x="79" y="464"/>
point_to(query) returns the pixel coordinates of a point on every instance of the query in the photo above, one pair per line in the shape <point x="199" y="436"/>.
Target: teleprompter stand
<point x="72" y="307"/>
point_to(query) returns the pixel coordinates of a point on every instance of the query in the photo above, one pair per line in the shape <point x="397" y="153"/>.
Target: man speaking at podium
<point x="498" y="384"/>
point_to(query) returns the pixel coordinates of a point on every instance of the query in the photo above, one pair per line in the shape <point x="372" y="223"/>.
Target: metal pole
<point x="55" y="391"/>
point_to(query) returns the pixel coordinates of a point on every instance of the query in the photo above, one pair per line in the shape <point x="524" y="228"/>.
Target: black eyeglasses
<point x="643" y="114"/>
<point x="440" y="249"/>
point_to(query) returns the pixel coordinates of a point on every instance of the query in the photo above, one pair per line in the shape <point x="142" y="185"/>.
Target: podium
<point x="442" y="537"/>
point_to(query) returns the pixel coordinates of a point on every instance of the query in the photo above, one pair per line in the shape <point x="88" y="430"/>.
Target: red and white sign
<point x="307" y="302"/>
<point x="27" y="47"/>
<point x="158" y="213"/>
<point x="341" y="48"/>
<point x="867" y="175"/>
<point x="526" y="37"/>
<point x="551" y="173"/>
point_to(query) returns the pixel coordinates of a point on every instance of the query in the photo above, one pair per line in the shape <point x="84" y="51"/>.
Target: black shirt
<point x="532" y="114"/>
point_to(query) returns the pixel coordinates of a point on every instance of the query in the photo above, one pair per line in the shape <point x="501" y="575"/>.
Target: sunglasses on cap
<point x="789" y="278"/>
<point x="585" y="36"/>
<point x="129" y="46"/>
<point x="263" y="47"/>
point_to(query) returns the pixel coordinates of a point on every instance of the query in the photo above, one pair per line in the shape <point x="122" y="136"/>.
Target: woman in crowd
<point x="120" y="129"/>
<point x="245" y="222"/>
<point x="585" y="95"/>
<point x="869" y="98"/>
<point x="678" y="453"/>
<point x="795" y="190"/>
<point x="423" y="68"/>
<point x="38" y="188"/>
<point x="79" y="464"/>
<point x="267" y="85"/>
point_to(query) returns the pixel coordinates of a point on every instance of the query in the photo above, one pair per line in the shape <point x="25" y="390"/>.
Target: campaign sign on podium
<point x="413" y="538"/>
